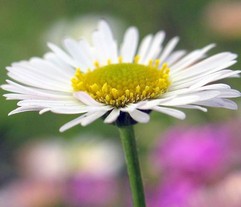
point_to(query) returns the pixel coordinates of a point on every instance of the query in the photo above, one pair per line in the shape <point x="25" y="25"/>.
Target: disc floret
<point x="123" y="83"/>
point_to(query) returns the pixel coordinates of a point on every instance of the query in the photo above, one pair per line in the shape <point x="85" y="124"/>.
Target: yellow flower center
<point x="123" y="83"/>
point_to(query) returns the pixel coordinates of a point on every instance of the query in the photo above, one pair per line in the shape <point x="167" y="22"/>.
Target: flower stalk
<point x="133" y="167"/>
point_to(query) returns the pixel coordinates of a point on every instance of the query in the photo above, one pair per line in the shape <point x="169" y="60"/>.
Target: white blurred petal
<point x="86" y="99"/>
<point x="139" y="116"/>
<point x="129" y="45"/>
<point x="172" y="112"/>
<point x="112" y="116"/>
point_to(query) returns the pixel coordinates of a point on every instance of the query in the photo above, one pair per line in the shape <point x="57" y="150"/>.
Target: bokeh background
<point x="195" y="162"/>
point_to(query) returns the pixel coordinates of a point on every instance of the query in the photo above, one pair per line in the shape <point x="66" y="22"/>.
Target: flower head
<point x="102" y="79"/>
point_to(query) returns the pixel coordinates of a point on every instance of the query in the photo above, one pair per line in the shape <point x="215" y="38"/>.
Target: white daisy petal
<point x="18" y="88"/>
<point x="42" y="111"/>
<point x="191" y="58"/>
<point x="103" y="26"/>
<point x="62" y="55"/>
<point x="209" y="65"/>
<point x="155" y="47"/>
<point x="139" y="116"/>
<point x="144" y="46"/>
<point x="219" y="102"/>
<point x="175" y="56"/>
<point x="72" y="123"/>
<point x="39" y="70"/>
<point x="112" y="116"/>
<point x="14" y="96"/>
<point x="216" y="86"/>
<point x="53" y="59"/>
<point x="193" y="107"/>
<point x="168" y="49"/>
<point x="90" y="117"/>
<point x="48" y="103"/>
<point x="109" y="41"/>
<point x="76" y="52"/>
<point x="217" y="76"/>
<point x="71" y="109"/>
<point x="229" y="93"/>
<point x="86" y="99"/>
<point x="212" y="87"/>
<point x="24" y="109"/>
<point x="129" y="45"/>
<point x="101" y="49"/>
<point x="172" y="112"/>
<point x="199" y="81"/>
<point x="84" y="120"/>
<point x="40" y="65"/>
<point x="87" y="51"/>
<point x="39" y="82"/>
<point x="149" y="104"/>
<point x="190" y="98"/>
<point x="133" y="107"/>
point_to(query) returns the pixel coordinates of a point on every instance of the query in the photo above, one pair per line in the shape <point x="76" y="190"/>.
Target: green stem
<point x="129" y="146"/>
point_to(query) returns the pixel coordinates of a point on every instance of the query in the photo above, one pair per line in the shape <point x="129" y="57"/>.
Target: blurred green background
<point x="25" y="26"/>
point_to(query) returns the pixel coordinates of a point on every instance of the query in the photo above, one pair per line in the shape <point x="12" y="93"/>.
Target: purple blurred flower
<point x="173" y="193"/>
<point x="192" y="161"/>
<point x="201" y="151"/>
<point x="91" y="191"/>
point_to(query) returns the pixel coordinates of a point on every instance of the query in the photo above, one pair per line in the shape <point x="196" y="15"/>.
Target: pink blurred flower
<point x="195" y="164"/>
<point x="173" y="193"/>
<point x="198" y="151"/>
<point x="91" y="191"/>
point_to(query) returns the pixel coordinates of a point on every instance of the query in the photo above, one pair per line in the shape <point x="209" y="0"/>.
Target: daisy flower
<point x="103" y="79"/>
